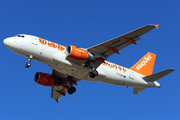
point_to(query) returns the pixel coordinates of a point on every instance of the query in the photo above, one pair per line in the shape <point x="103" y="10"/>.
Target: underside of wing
<point x="62" y="85"/>
<point x="57" y="91"/>
<point x="114" y="45"/>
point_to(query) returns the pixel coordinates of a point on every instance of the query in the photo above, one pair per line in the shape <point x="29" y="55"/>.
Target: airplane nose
<point x="11" y="44"/>
<point x="6" y="42"/>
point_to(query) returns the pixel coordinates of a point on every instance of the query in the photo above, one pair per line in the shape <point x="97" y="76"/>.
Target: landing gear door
<point x="34" y="41"/>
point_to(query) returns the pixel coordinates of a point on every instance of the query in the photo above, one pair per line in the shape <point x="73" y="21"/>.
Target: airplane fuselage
<point x="54" y="55"/>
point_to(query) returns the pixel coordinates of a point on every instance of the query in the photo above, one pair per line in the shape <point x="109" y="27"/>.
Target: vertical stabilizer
<point x="145" y="65"/>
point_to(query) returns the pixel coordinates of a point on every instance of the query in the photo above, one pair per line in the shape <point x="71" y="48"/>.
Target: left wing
<point x="62" y="87"/>
<point x="99" y="53"/>
<point x="114" y="45"/>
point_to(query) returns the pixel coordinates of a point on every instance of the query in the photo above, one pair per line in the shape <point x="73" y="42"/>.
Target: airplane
<point x="71" y="64"/>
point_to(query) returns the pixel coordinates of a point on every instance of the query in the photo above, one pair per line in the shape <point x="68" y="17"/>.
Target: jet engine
<point x="44" y="79"/>
<point x="77" y="53"/>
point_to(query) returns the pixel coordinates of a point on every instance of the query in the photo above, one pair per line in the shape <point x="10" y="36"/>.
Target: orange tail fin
<point x="145" y="65"/>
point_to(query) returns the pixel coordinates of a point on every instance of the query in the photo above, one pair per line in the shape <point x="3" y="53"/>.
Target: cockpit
<point x="20" y="36"/>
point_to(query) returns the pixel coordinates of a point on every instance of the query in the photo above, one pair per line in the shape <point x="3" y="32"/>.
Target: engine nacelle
<point x="77" y="53"/>
<point x="44" y="79"/>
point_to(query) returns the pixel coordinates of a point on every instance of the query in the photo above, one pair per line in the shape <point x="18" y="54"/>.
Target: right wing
<point x="54" y="92"/>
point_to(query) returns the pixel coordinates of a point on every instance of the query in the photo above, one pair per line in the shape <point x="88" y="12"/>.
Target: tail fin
<point x="145" y="65"/>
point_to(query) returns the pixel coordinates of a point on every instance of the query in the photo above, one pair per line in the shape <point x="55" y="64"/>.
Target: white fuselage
<point x="55" y="58"/>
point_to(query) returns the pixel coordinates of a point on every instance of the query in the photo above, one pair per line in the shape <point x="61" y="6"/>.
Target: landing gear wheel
<point x="93" y="73"/>
<point x="71" y="90"/>
<point x="28" y="65"/>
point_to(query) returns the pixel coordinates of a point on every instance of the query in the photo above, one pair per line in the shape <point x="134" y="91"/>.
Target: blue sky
<point x="84" y="24"/>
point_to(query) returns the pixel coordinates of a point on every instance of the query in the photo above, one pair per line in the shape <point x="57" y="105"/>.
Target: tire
<point x="70" y="91"/>
<point x="73" y="89"/>
<point x="27" y="65"/>
<point x="95" y="72"/>
<point x="91" y="75"/>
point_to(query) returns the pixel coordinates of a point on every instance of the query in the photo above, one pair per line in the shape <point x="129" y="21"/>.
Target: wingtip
<point x="157" y="26"/>
<point x="172" y="69"/>
<point x="57" y="100"/>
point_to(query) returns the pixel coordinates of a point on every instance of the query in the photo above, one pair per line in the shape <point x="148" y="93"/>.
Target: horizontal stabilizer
<point x="137" y="90"/>
<point x="157" y="76"/>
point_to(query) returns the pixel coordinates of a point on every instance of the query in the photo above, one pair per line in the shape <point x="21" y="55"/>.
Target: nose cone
<point x="7" y="42"/>
<point x="12" y="44"/>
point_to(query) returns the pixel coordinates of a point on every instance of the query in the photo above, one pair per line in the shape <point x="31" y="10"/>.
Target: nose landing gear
<point x="28" y="64"/>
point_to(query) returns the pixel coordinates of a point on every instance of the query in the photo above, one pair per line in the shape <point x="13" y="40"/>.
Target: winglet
<point x="157" y="25"/>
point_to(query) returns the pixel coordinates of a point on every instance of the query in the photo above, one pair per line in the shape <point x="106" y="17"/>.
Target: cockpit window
<point x="20" y="36"/>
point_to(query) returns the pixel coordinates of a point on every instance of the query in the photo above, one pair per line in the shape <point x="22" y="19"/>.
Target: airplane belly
<point x="124" y="77"/>
<point x="114" y="77"/>
<point x="70" y="70"/>
<point x="64" y="66"/>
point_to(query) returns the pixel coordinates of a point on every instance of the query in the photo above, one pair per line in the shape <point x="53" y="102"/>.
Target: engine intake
<point x="44" y="79"/>
<point x="77" y="53"/>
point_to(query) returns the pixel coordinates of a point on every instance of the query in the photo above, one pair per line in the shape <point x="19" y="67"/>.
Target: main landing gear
<point x="72" y="89"/>
<point x="93" y="73"/>
<point x="28" y="64"/>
